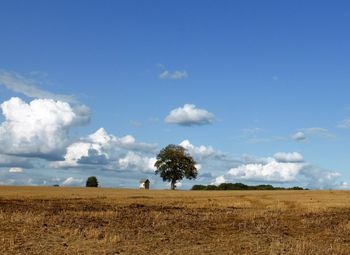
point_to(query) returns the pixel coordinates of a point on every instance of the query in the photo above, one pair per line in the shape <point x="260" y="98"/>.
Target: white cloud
<point x="199" y="152"/>
<point x="38" y="129"/>
<point x="71" y="181"/>
<point x="198" y="167"/>
<point x="137" y="162"/>
<point x="79" y="153"/>
<point x="104" y="150"/>
<point x="299" y="136"/>
<point x="189" y="115"/>
<point x="293" y="157"/>
<point x="282" y="168"/>
<point x="271" y="172"/>
<point x="219" y="180"/>
<point x="101" y="137"/>
<point x="176" y="75"/>
<point x="206" y="153"/>
<point x="27" y="86"/>
<point x="16" y="170"/>
<point x="127" y="142"/>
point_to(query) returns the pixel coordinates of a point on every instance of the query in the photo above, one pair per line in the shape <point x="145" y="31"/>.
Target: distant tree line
<point x="241" y="186"/>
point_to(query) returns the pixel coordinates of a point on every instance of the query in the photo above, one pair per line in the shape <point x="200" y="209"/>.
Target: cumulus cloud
<point x="78" y="153"/>
<point x="127" y="142"/>
<point x="299" y="136"/>
<point x="39" y="128"/>
<point x="273" y="171"/>
<point x="209" y="161"/>
<point x="16" y="170"/>
<point x="29" y="87"/>
<point x="189" y="115"/>
<point x="282" y="168"/>
<point x="137" y="162"/>
<point x="176" y="75"/>
<point x="105" y="150"/>
<point x="219" y="180"/>
<point x="203" y="153"/>
<point x="200" y="152"/>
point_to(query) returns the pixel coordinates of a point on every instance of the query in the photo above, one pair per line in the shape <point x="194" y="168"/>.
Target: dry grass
<point x="113" y="221"/>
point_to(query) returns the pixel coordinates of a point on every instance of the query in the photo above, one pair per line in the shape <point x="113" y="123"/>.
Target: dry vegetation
<point x="114" y="221"/>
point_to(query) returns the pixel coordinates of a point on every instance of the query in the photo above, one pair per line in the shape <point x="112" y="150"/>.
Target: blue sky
<point x="265" y="84"/>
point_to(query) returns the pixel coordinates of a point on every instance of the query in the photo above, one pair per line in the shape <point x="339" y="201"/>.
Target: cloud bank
<point x="282" y="168"/>
<point x="106" y="151"/>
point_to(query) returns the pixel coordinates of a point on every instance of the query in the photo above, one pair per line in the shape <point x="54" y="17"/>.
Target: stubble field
<point x="49" y="220"/>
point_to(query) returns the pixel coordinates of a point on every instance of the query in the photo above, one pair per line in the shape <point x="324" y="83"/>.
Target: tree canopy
<point x="92" y="182"/>
<point x="174" y="163"/>
<point x="241" y="186"/>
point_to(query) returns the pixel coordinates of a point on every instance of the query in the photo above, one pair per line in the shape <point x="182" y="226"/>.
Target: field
<point x="49" y="220"/>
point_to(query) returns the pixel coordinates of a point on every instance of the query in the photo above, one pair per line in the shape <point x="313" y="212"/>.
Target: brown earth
<point x="49" y="220"/>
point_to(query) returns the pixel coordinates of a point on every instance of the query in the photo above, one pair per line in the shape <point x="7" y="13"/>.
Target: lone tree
<point x="92" y="182"/>
<point x="174" y="163"/>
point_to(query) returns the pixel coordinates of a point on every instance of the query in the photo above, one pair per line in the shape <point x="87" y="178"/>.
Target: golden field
<point x="50" y="220"/>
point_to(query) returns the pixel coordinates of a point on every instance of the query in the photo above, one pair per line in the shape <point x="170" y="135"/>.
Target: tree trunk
<point x="173" y="186"/>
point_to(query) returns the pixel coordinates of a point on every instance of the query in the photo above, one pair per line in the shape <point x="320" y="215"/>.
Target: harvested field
<point x="49" y="220"/>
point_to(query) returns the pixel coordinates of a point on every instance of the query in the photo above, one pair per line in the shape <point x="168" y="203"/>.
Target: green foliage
<point x="296" y="188"/>
<point x="233" y="186"/>
<point x="174" y="163"/>
<point x="240" y="186"/>
<point x="199" y="187"/>
<point x="212" y="187"/>
<point x="265" y="187"/>
<point x="92" y="182"/>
